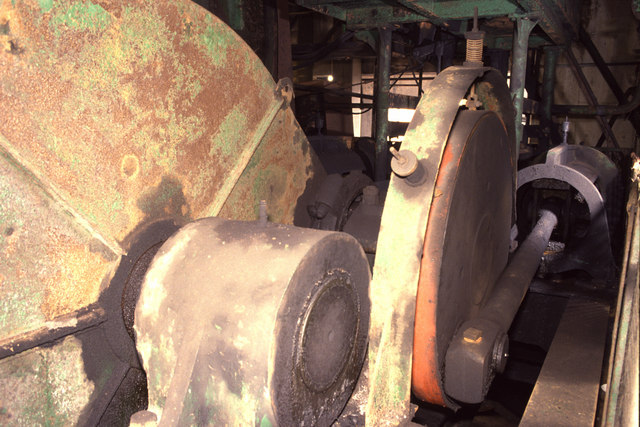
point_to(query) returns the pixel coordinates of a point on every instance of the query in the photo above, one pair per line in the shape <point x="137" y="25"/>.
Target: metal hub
<point x="288" y="334"/>
<point x="329" y="332"/>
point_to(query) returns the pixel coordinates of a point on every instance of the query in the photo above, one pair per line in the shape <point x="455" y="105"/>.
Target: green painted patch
<point x="77" y="16"/>
<point x="217" y="40"/>
<point x="45" y="5"/>
<point x="264" y="422"/>
<point x="224" y="141"/>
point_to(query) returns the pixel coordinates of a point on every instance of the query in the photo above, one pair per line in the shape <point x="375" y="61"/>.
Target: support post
<point x="522" y="29"/>
<point x="551" y="54"/>
<point x="382" y="102"/>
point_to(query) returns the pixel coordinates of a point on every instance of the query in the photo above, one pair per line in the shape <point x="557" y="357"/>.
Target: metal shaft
<point x="515" y="279"/>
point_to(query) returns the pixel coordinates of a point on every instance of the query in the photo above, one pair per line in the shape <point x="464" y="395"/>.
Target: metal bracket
<point x="284" y="89"/>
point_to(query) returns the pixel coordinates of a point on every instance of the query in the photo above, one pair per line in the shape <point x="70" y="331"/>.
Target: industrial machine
<point x="173" y="250"/>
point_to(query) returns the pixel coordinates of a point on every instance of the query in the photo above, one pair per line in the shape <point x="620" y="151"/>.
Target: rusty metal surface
<point x="56" y="396"/>
<point x="117" y="116"/>
<point x="49" y="265"/>
<point x="86" y="90"/>
<point x="401" y="240"/>
<point x="268" y="325"/>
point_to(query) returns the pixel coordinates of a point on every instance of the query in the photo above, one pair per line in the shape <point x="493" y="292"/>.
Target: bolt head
<point x="472" y="335"/>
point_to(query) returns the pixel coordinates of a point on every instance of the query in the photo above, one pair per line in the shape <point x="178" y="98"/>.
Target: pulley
<point x="467" y="238"/>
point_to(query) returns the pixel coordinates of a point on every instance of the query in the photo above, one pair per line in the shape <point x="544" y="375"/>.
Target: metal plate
<point x="566" y="393"/>
<point x="467" y="240"/>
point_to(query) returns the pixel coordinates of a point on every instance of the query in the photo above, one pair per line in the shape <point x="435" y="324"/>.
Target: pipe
<point x="599" y="110"/>
<point x="522" y="29"/>
<point x="514" y="281"/>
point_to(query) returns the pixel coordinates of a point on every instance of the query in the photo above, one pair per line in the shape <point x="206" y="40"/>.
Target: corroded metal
<point x="118" y="116"/>
<point x="401" y="241"/>
<point x="246" y="323"/>
<point x="559" y="19"/>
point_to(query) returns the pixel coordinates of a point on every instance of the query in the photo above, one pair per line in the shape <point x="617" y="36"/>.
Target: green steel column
<point x="234" y="11"/>
<point x="382" y="102"/>
<point x="522" y="29"/>
<point x="551" y="54"/>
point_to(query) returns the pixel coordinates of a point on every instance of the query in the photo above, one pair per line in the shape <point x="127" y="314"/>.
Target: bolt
<point x="144" y="419"/>
<point x="472" y="335"/>
<point x="404" y="162"/>
<point x="397" y="155"/>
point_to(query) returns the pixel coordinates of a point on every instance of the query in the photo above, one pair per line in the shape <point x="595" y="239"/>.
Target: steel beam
<point x="609" y="78"/>
<point x="557" y="20"/>
<point x="621" y="401"/>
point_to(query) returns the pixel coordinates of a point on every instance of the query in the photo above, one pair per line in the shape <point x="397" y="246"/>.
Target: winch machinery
<point x="172" y="252"/>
